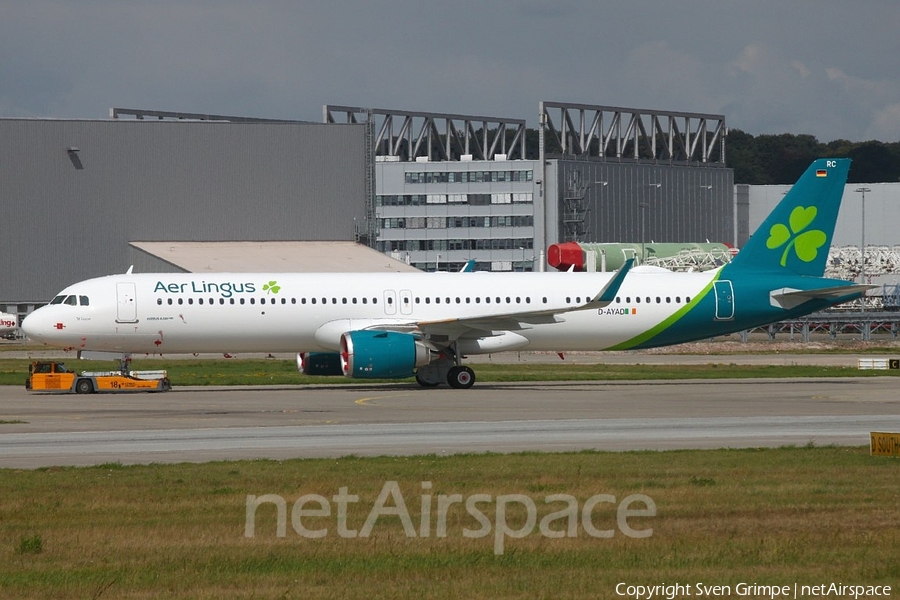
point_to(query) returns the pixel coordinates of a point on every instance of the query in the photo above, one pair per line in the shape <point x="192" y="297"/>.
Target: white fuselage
<point x="299" y="312"/>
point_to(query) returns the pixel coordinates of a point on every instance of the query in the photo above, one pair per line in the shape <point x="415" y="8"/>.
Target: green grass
<point x="284" y="372"/>
<point x="770" y="516"/>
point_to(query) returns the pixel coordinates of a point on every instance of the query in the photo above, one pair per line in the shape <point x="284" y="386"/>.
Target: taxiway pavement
<point x="200" y="424"/>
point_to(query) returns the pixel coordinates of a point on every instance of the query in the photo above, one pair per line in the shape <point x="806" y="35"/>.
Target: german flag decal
<point x="821" y="173"/>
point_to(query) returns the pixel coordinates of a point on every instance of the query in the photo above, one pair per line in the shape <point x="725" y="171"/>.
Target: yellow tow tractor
<point x="49" y="376"/>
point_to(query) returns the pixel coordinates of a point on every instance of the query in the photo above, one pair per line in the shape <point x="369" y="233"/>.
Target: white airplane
<point x="8" y="323"/>
<point x="396" y="325"/>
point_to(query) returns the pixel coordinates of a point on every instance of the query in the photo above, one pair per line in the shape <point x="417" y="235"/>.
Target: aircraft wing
<point x="486" y="324"/>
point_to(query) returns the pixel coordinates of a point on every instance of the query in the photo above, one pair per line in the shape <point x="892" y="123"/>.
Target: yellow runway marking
<point x="369" y="401"/>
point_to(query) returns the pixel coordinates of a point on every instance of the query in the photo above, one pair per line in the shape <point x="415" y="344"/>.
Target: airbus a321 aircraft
<point x="396" y="325"/>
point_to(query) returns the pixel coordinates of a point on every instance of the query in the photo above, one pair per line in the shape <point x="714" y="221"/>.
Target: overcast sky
<point x="826" y="67"/>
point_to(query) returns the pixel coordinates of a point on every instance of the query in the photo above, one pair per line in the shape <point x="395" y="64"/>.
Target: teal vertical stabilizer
<point x="796" y="236"/>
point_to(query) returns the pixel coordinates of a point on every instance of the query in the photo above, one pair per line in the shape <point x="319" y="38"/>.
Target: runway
<point x="201" y="424"/>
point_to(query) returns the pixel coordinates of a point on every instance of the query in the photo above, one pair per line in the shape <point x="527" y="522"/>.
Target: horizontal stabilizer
<point x="788" y="298"/>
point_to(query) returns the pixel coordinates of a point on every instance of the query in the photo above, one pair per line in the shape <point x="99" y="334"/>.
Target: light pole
<point x="862" y="248"/>
<point x="643" y="206"/>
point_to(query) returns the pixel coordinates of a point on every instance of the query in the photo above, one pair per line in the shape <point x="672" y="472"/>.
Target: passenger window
<point x="169" y="302"/>
<point x="658" y="300"/>
<point x="252" y="300"/>
<point x="668" y="299"/>
<point x="190" y="300"/>
<point x="159" y="301"/>
<point x="200" y="301"/>
<point x="678" y="299"/>
<point x="365" y="300"/>
<point x="180" y="301"/>
<point x="390" y="300"/>
<point x="638" y="300"/>
<point x="437" y="300"/>
<point x="487" y="300"/>
<point x="687" y="299"/>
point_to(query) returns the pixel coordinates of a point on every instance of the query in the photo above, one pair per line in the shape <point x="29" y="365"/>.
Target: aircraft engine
<point x="382" y="354"/>
<point x="319" y="363"/>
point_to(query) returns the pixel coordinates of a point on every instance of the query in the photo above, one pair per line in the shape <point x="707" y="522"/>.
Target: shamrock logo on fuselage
<point x="272" y="287"/>
<point x="806" y="244"/>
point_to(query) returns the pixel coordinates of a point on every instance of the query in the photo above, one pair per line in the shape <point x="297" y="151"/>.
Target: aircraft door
<point x="724" y="300"/>
<point x="406" y="302"/>
<point x="126" y="308"/>
<point x="390" y="302"/>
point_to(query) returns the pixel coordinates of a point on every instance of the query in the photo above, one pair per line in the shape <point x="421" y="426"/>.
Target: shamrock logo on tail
<point x="272" y="287"/>
<point x="806" y="244"/>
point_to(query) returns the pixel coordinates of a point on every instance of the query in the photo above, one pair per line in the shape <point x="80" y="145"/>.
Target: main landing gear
<point x="446" y="369"/>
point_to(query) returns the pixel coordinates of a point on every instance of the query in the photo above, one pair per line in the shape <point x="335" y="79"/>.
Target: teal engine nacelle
<point x="319" y="363"/>
<point x="382" y="354"/>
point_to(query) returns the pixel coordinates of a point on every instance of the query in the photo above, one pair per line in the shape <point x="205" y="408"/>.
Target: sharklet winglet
<point x="605" y="296"/>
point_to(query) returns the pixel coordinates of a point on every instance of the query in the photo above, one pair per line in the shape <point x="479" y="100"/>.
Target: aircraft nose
<point x="35" y="326"/>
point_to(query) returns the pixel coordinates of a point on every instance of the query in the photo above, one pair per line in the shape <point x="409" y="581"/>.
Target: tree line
<point x="781" y="159"/>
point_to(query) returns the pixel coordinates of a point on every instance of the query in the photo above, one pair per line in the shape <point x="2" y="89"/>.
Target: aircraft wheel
<point x="461" y="378"/>
<point x="425" y="382"/>
<point x="84" y="386"/>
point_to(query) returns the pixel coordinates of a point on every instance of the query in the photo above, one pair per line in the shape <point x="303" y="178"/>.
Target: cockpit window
<point x="58" y="300"/>
<point x="71" y="300"/>
<point x="84" y="301"/>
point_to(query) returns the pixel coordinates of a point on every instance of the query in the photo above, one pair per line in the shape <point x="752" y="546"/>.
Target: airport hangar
<point x="169" y="192"/>
<point x="191" y="192"/>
